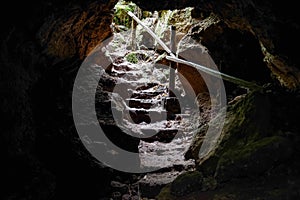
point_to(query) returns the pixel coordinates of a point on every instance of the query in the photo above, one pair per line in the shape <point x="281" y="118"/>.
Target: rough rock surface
<point x="251" y="148"/>
<point x="41" y="151"/>
<point x="269" y="22"/>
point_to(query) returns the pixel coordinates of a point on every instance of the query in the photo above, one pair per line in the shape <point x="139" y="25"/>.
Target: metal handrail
<point x="172" y="57"/>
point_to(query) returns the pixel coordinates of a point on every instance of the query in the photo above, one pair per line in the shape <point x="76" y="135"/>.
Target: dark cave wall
<point x="78" y="31"/>
<point x="41" y="51"/>
<point x="236" y="53"/>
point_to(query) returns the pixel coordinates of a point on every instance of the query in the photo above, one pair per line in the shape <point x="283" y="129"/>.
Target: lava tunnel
<point x="145" y="100"/>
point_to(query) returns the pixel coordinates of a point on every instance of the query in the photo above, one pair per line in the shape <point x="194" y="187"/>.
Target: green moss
<point x="120" y="15"/>
<point x="244" y="152"/>
<point x="186" y="183"/>
<point x="209" y="183"/>
<point x="275" y="193"/>
<point x="253" y="159"/>
<point x="248" y="120"/>
<point x="181" y="19"/>
<point x="224" y="197"/>
<point x="132" y="58"/>
<point x="247" y="130"/>
<point x="165" y="194"/>
<point x="146" y="14"/>
<point x="209" y="166"/>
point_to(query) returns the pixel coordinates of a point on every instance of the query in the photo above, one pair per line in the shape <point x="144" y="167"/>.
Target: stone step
<point x="126" y="88"/>
<point x="161" y="135"/>
<point x="157" y="88"/>
<point x="147" y="86"/>
<point x="130" y="76"/>
<point x="142" y="103"/>
<point x="139" y="115"/>
<point x="125" y="68"/>
<point x="165" y="155"/>
<point x="146" y="94"/>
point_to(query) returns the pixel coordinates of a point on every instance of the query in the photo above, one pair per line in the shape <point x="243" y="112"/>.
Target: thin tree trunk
<point x="133" y="34"/>
<point x="172" y="64"/>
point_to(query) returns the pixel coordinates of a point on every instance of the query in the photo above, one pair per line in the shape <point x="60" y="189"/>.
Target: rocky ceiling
<point x="67" y="29"/>
<point x="274" y="25"/>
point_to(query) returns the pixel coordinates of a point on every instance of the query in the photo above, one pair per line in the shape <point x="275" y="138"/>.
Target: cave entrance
<point x="141" y="102"/>
<point x="154" y="112"/>
<point x="136" y="90"/>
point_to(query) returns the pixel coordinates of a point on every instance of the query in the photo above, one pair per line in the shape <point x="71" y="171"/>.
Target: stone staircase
<point x="155" y="117"/>
<point x="155" y="114"/>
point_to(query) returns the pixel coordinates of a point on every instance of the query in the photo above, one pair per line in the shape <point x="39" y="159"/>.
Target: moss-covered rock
<point x="165" y="194"/>
<point x="249" y="144"/>
<point x="247" y="120"/>
<point x="257" y="151"/>
<point x="132" y="58"/>
<point x="186" y="183"/>
<point x="254" y="158"/>
<point x="183" y="185"/>
<point x="120" y="13"/>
